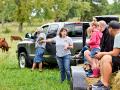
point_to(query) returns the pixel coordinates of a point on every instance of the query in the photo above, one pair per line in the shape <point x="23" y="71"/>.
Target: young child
<point x="86" y="47"/>
<point x="89" y="31"/>
<point x="94" y="44"/>
<point x="40" y="48"/>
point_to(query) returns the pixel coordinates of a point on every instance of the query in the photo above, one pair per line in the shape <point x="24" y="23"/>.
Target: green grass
<point x="14" y="78"/>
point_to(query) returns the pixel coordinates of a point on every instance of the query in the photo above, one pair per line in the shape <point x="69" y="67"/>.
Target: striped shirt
<point x="40" y="37"/>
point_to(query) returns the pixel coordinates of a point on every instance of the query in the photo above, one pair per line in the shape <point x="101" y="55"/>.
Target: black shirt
<point x="107" y="41"/>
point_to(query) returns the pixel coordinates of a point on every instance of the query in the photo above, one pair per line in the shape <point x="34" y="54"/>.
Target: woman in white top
<point x="63" y="46"/>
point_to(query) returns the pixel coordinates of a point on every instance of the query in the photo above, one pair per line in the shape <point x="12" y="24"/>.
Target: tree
<point x="115" y="7"/>
<point x="80" y="9"/>
<point x="52" y="9"/>
<point x="100" y="8"/>
<point x="61" y="9"/>
<point x="2" y="11"/>
<point x="7" y="8"/>
<point x="23" y="12"/>
<point x="44" y="9"/>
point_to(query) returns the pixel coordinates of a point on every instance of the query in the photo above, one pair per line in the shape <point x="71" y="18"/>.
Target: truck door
<point x="50" y="47"/>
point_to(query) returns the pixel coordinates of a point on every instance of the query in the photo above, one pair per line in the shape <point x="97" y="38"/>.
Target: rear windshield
<point x="74" y="29"/>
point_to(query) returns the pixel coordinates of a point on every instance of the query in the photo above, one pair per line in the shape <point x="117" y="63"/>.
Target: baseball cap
<point x="114" y="25"/>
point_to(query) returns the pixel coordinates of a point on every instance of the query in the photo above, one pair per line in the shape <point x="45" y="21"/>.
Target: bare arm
<point x="47" y="40"/>
<point x="115" y="52"/>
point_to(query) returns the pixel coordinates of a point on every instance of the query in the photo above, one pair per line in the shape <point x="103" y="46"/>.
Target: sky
<point x="110" y="1"/>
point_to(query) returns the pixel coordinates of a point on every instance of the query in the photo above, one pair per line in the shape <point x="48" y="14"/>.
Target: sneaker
<point x="105" y="88"/>
<point x="61" y="81"/>
<point x="88" y="72"/>
<point x="40" y="70"/>
<point x="98" y="83"/>
<point x="87" y="66"/>
<point x="99" y="86"/>
<point x="32" y="70"/>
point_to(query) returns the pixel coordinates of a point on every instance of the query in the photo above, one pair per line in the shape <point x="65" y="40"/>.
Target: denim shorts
<point x="39" y="54"/>
<point x="94" y="51"/>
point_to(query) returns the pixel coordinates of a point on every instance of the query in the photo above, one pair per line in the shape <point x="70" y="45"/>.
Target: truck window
<point x="74" y="29"/>
<point x="45" y="28"/>
<point x="52" y="31"/>
<point x="53" y="28"/>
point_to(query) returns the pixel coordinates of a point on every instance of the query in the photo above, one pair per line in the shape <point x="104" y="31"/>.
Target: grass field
<point x="14" y="78"/>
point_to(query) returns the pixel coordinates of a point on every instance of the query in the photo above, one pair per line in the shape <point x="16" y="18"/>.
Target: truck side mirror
<point x="28" y="35"/>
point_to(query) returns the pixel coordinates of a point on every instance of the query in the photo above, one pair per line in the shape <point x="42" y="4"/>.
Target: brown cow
<point x="15" y="38"/>
<point x="1" y="43"/>
<point x="4" y="45"/>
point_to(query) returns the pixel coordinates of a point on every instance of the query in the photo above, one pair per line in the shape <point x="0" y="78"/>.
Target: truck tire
<point x="24" y="60"/>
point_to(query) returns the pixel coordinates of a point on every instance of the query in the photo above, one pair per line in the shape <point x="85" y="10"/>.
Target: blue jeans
<point x="94" y="51"/>
<point x="84" y="49"/>
<point x="85" y="60"/>
<point x="64" y="66"/>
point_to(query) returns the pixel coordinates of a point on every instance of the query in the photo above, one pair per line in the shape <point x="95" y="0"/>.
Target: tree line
<point x="59" y="10"/>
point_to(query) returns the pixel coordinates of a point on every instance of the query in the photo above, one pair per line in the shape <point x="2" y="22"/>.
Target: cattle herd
<point x="4" y="44"/>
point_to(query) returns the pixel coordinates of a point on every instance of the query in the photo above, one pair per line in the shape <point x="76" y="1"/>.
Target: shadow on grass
<point x="12" y="68"/>
<point x="50" y="66"/>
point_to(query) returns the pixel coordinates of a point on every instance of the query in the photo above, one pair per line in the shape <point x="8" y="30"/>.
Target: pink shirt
<point x="95" y="39"/>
